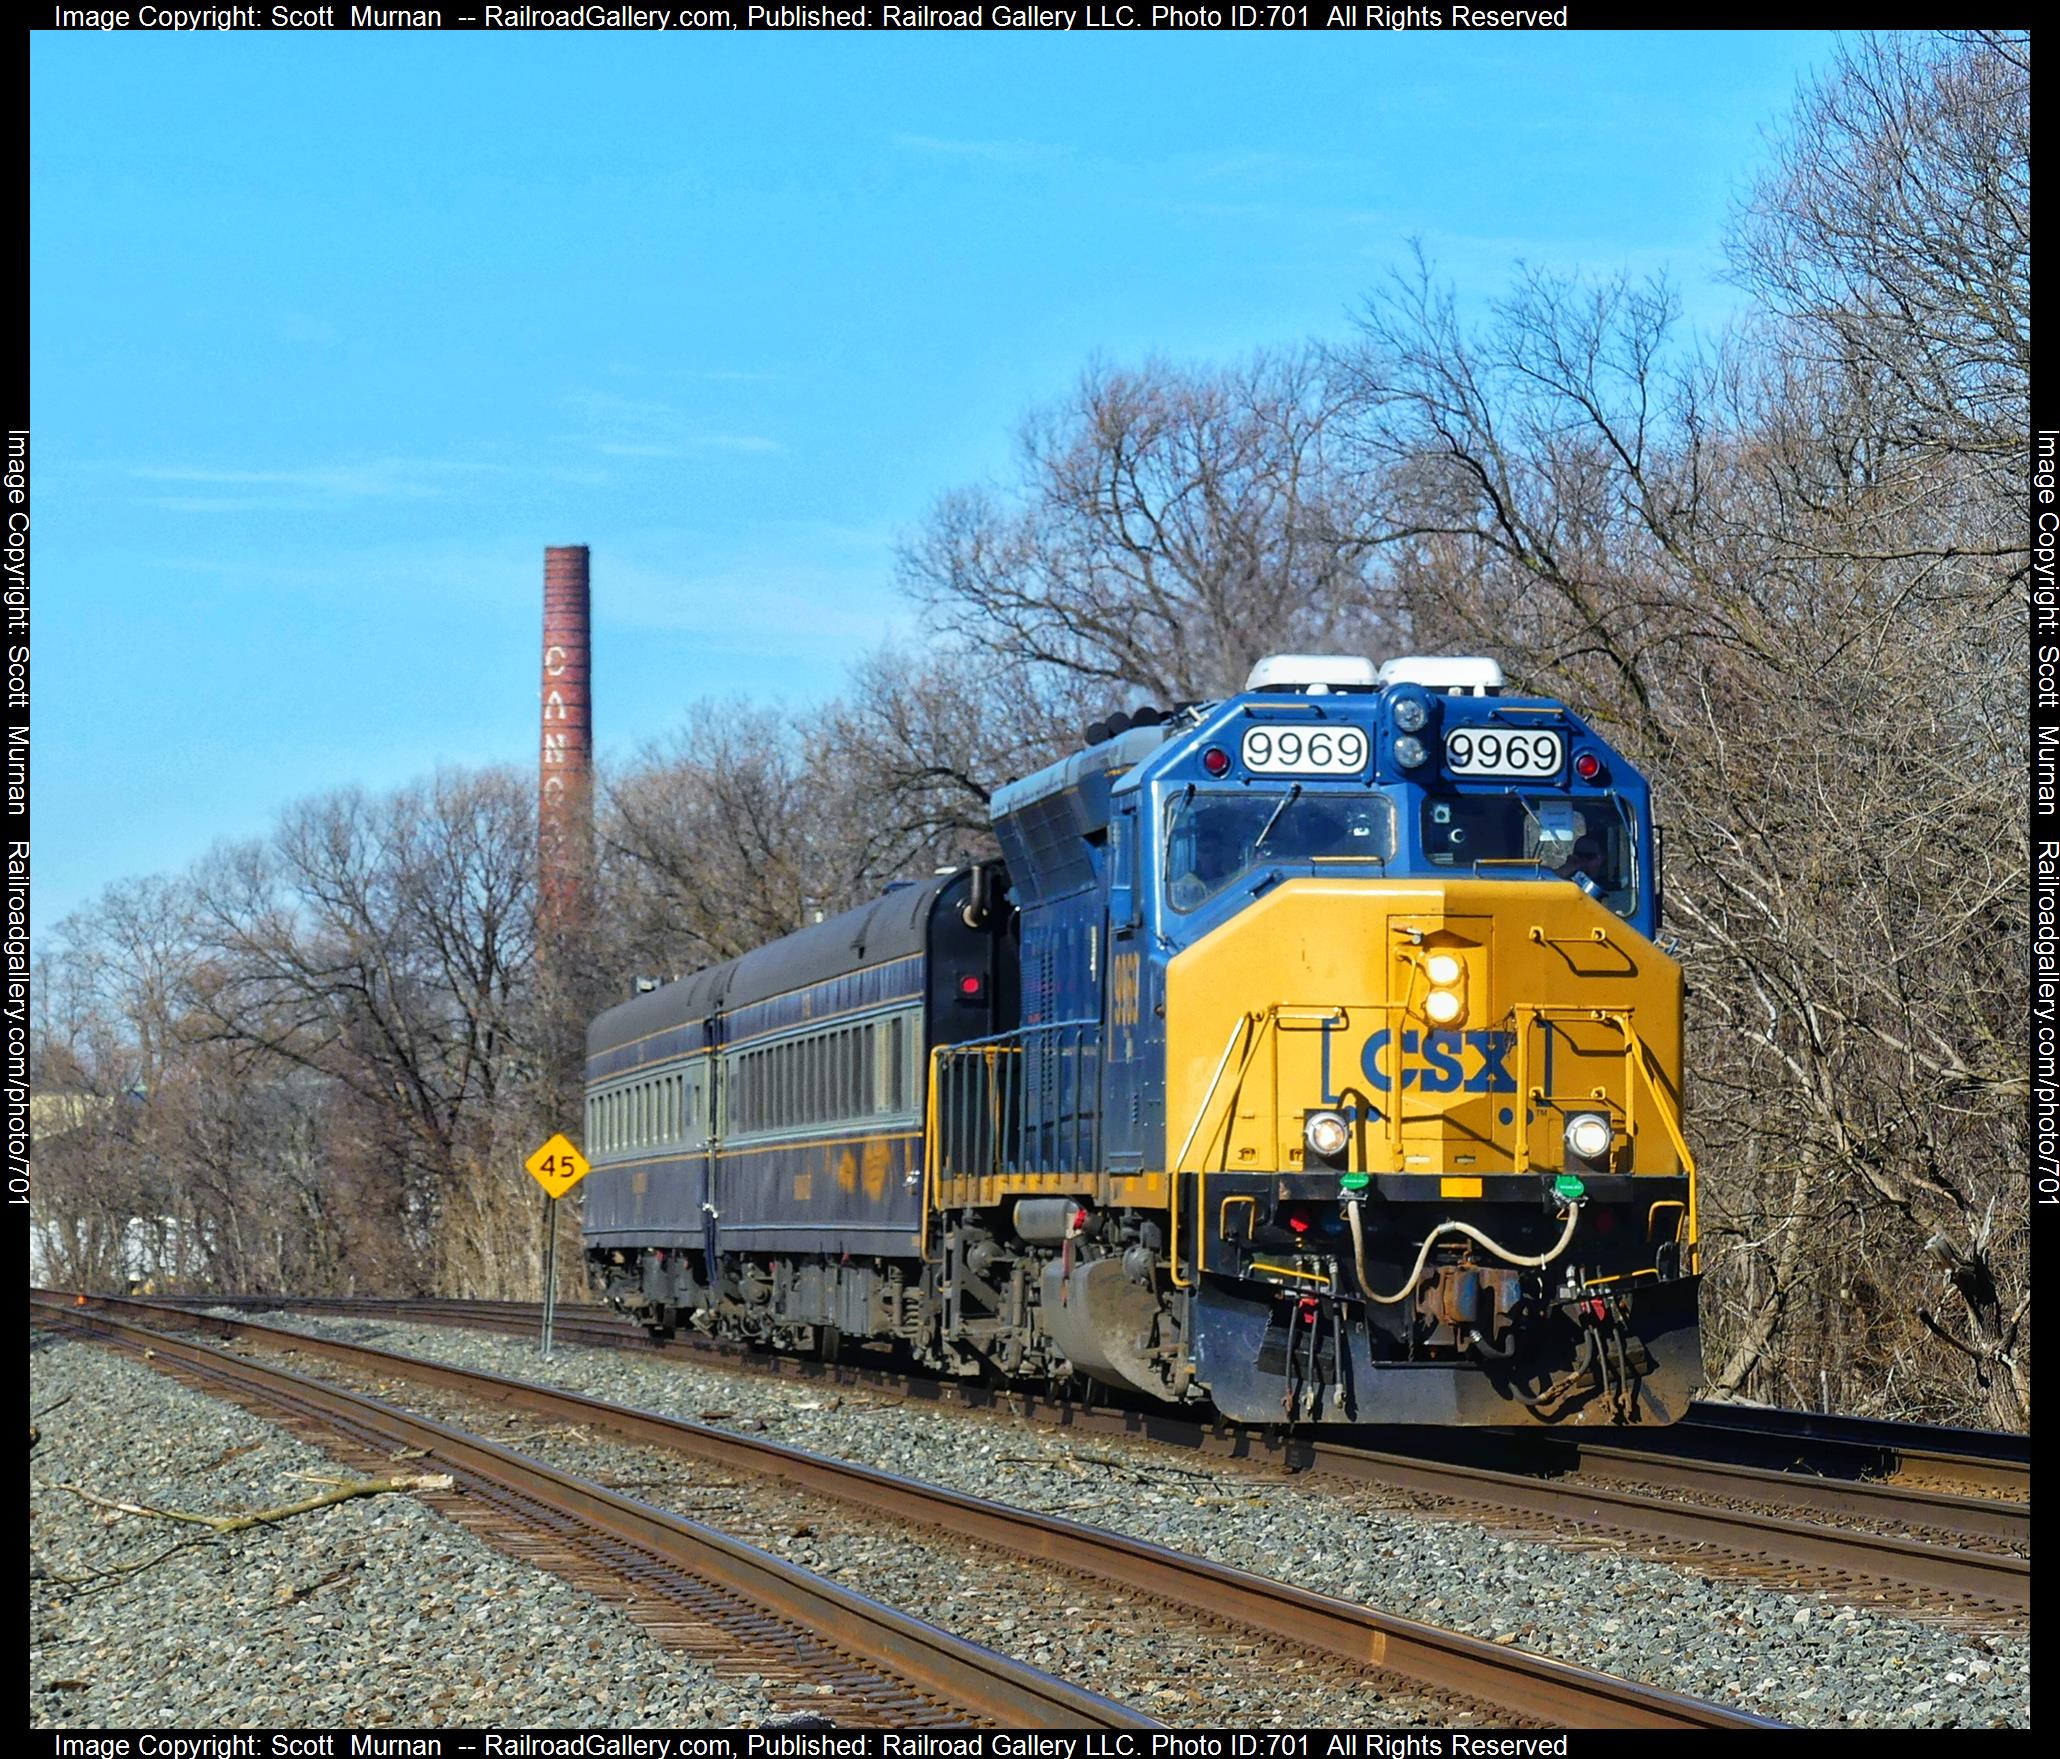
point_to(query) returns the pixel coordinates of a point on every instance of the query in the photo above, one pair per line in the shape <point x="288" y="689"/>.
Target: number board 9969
<point x="1492" y="751"/>
<point x="1301" y="751"/>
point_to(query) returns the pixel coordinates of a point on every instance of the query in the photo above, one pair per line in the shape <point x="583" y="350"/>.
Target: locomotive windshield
<point x="1462" y="830"/>
<point x="1213" y="839"/>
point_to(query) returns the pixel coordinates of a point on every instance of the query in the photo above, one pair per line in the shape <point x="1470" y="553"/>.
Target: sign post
<point x="557" y="1166"/>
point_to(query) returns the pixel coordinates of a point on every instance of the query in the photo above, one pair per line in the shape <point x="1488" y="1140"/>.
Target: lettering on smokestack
<point x="565" y="821"/>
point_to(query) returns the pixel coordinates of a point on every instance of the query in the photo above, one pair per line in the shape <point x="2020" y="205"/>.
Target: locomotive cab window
<point x="1213" y="840"/>
<point x="1590" y="842"/>
<point x="1123" y="871"/>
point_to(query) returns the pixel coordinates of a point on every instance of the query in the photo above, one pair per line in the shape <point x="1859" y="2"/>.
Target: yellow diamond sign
<point x="557" y="1166"/>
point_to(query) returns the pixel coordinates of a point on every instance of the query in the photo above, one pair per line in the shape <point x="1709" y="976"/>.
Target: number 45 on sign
<point x="557" y="1166"/>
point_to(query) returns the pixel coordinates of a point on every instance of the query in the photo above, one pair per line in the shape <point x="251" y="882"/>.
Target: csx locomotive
<point x="1308" y="1053"/>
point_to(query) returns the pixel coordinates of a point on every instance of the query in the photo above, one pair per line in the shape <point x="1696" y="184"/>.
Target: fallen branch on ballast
<point x="265" y="1517"/>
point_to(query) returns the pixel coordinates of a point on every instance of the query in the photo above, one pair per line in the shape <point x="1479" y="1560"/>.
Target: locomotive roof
<point x="1046" y="821"/>
<point x="889" y="927"/>
<point x="1085" y="775"/>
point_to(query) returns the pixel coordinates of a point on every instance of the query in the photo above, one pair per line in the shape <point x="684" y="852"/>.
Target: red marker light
<point x="1587" y="766"/>
<point x="970" y="987"/>
<point x="1216" y="760"/>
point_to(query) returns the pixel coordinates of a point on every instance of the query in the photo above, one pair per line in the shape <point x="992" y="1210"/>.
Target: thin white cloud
<point x="1271" y="167"/>
<point x="995" y="152"/>
<point x="822" y="608"/>
<point x="1298" y="212"/>
<point x="224" y="504"/>
<point x="698" y="443"/>
<point x="367" y="479"/>
<point x="634" y="427"/>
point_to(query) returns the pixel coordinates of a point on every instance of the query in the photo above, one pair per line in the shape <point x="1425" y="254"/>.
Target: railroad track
<point x="710" y="1594"/>
<point x="1520" y="1685"/>
<point x="1809" y="1441"/>
<point x="1800" y="1444"/>
<point x="1750" y="1520"/>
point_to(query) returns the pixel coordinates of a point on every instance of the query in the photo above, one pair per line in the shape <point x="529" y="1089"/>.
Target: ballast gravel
<point x="373" y="1611"/>
<point x="1184" y="1670"/>
<point x="1805" y="1658"/>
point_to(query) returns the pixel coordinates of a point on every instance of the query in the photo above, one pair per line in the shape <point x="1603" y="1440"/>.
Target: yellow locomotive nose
<point x="1457" y="1027"/>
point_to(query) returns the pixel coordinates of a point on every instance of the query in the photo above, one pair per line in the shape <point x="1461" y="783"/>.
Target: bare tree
<point x="1780" y="573"/>
<point x="709" y="843"/>
<point x="1893" y="232"/>
<point x="1167" y="528"/>
<point x="385" y="945"/>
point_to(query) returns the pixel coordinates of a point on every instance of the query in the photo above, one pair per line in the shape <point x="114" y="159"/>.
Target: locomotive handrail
<point x="1525" y="1016"/>
<point x="1640" y="1055"/>
<point x="1256" y="1024"/>
<point x="991" y="1125"/>
<point x="1066" y="1135"/>
<point x="929" y="1152"/>
<point x="1215" y="1081"/>
<point x="1638" y="1061"/>
<point x="1009" y="1039"/>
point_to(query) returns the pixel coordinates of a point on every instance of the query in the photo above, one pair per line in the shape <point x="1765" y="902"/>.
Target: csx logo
<point x="1438" y="1062"/>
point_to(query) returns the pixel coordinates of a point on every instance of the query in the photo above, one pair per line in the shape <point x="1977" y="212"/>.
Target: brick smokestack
<point x="565" y="759"/>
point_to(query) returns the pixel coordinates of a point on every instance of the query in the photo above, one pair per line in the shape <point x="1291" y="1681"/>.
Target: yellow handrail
<point x="1244" y="1022"/>
<point x="1638" y="1058"/>
<point x="1520" y="1155"/>
<point x="991" y="1059"/>
<point x="1639" y="1050"/>
<point x="932" y="1149"/>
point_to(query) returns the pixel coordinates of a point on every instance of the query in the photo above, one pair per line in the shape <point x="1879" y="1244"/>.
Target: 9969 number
<point x="1487" y="751"/>
<point x="1323" y="751"/>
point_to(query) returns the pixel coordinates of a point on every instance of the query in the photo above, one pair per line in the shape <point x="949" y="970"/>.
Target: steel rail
<point x="1972" y="1517"/>
<point x="1526" y="1685"/>
<point x="2004" y="1580"/>
<point x="1805" y="1443"/>
<point x="1817" y="1441"/>
<point x="1883" y="1432"/>
<point x="1981" y="1575"/>
<point x="989" y="1685"/>
<point x="1617" y="1458"/>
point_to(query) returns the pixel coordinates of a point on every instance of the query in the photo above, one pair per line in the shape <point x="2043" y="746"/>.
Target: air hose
<point x="1408" y="1288"/>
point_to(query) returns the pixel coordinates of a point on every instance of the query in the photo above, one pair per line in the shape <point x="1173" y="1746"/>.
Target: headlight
<point x="1588" y="1136"/>
<point x="1442" y="968"/>
<point x="1442" y="1006"/>
<point x="1327" y="1134"/>
<point x="1410" y="714"/>
<point x="1409" y="751"/>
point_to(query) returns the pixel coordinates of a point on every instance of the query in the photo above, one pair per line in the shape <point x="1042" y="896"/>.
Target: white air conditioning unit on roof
<point x="1454" y="674"/>
<point x="1312" y="674"/>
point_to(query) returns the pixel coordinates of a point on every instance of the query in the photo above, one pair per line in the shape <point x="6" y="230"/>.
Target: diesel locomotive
<point x="1308" y="1053"/>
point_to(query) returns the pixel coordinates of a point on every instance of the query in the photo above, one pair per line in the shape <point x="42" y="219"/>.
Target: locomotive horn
<point x="973" y="912"/>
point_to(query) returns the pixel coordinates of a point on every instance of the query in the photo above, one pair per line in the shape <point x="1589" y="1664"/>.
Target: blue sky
<point x="333" y="333"/>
